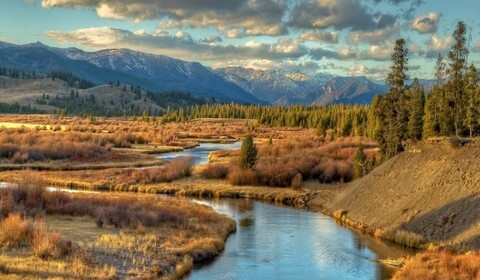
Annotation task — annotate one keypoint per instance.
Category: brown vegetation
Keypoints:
(288, 163)
(441, 265)
(159, 237)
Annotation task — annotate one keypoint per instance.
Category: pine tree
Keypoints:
(440, 70)
(457, 56)
(398, 74)
(416, 111)
(431, 125)
(393, 111)
(472, 102)
(248, 153)
(360, 163)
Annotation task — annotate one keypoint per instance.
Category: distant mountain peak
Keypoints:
(152, 72)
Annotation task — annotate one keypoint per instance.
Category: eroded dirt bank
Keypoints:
(430, 194)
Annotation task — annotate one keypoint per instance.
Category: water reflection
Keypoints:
(284, 243)
(200, 153)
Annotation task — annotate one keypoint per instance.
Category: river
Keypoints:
(200, 153)
(275, 242)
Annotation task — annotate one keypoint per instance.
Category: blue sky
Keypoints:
(342, 37)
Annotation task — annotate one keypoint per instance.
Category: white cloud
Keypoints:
(439, 44)
(426, 23)
(375, 36)
(180, 45)
(319, 36)
(363, 70)
(256, 17)
(266, 64)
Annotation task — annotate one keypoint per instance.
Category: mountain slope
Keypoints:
(156, 73)
(350, 90)
(51, 95)
(410, 193)
(275, 87)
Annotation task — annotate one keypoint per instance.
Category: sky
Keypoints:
(339, 37)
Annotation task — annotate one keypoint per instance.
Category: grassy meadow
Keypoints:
(133, 233)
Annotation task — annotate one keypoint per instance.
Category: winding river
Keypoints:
(200, 153)
(275, 242)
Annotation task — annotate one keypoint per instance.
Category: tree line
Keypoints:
(404, 114)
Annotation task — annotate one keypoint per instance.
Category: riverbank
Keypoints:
(119, 236)
(410, 201)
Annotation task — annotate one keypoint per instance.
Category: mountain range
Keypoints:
(162, 73)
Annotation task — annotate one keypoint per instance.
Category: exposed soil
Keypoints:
(432, 190)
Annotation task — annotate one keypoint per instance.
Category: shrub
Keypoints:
(241, 177)
(48, 245)
(432, 265)
(14, 231)
(215, 171)
(297, 182)
(176, 169)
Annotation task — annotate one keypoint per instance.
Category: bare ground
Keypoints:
(431, 192)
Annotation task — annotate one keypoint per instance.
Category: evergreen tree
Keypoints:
(248, 153)
(416, 111)
(440, 70)
(472, 100)
(360, 163)
(457, 56)
(393, 112)
(398, 74)
(431, 125)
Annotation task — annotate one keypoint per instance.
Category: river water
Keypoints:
(200, 153)
(275, 242)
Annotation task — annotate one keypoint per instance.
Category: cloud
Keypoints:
(212, 39)
(439, 44)
(338, 14)
(426, 23)
(476, 47)
(255, 17)
(180, 45)
(371, 72)
(266, 64)
(377, 52)
(319, 36)
(375, 36)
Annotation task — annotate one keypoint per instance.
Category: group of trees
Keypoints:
(71, 80)
(399, 113)
(451, 109)
(341, 120)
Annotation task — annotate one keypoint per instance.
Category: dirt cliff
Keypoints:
(430, 194)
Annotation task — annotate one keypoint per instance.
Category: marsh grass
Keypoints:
(143, 236)
(439, 265)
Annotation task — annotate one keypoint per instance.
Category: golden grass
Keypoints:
(441, 265)
(191, 233)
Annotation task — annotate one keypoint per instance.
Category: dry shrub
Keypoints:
(48, 245)
(409, 239)
(297, 182)
(14, 231)
(441, 265)
(215, 171)
(241, 177)
(176, 169)
(6, 202)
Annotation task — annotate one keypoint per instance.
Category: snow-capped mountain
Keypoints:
(163, 73)
(273, 86)
(350, 90)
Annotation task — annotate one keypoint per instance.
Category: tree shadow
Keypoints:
(449, 221)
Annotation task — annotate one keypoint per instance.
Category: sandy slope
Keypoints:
(432, 190)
